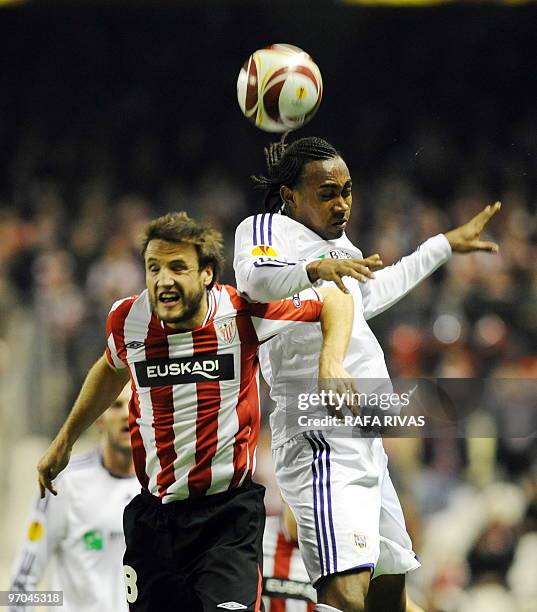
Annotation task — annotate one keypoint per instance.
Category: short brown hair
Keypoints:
(179, 227)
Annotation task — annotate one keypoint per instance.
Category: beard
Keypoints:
(190, 303)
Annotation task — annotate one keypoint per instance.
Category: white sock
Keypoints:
(325, 608)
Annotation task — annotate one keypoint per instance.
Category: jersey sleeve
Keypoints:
(45, 529)
(114, 334)
(266, 264)
(278, 317)
(393, 282)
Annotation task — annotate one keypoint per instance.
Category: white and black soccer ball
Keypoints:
(279, 88)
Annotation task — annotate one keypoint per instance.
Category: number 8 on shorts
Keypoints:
(131, 588)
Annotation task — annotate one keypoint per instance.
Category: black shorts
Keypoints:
(195, 555)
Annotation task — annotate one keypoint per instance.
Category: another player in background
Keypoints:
(189, 345)
(350, 523)
(81, 531)
(286, 585)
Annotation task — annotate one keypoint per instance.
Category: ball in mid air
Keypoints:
(279, 88)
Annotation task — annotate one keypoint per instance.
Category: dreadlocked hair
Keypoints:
(285, 163)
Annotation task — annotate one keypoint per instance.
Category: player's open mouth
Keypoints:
(341, 223)
(169, 298)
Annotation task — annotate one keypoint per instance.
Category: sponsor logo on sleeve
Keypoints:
(335, 254)
(183, 370)
(263, 250)
(338, 254)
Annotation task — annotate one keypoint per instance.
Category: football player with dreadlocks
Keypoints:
(351, 528)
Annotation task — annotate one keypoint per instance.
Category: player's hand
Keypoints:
(335, 269)
(466, 238)
(333, 377)
(51, 464)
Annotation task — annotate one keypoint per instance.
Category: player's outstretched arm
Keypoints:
(394, 282)
(102, 386)
(467, 237)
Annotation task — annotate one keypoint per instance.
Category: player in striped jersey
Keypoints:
(286, 585)
(350, 523)
(189, 346)
(76, 532)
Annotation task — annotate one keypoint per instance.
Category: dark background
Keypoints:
(144, 94)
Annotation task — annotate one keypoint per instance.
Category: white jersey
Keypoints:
(194, 410)
(286, 584)
(81, 531)
(271, 254)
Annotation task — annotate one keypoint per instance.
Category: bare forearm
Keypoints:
(100, 389)
(336, 322)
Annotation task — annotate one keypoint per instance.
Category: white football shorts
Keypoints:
(345, 505)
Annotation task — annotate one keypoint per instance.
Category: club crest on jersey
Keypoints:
(263, 250)
(296, 300)
(183, 370)
(226, 330)
(360, 541)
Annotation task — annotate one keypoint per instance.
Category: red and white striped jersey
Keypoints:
(286, 585)
(194, 411)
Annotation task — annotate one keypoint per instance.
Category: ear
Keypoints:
(288, 196)
(207, 275)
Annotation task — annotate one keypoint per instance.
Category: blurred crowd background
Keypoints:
(112, 116)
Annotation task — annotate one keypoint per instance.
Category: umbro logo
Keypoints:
(134, 344)
(232, 605)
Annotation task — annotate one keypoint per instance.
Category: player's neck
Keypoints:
(117, 462)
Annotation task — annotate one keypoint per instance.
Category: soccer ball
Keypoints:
(279, 88)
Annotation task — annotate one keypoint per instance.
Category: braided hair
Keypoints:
(285, 164)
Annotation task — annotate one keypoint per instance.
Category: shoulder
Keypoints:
(230, 301)
(123, 304)
(263, 227)
(121, 308)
